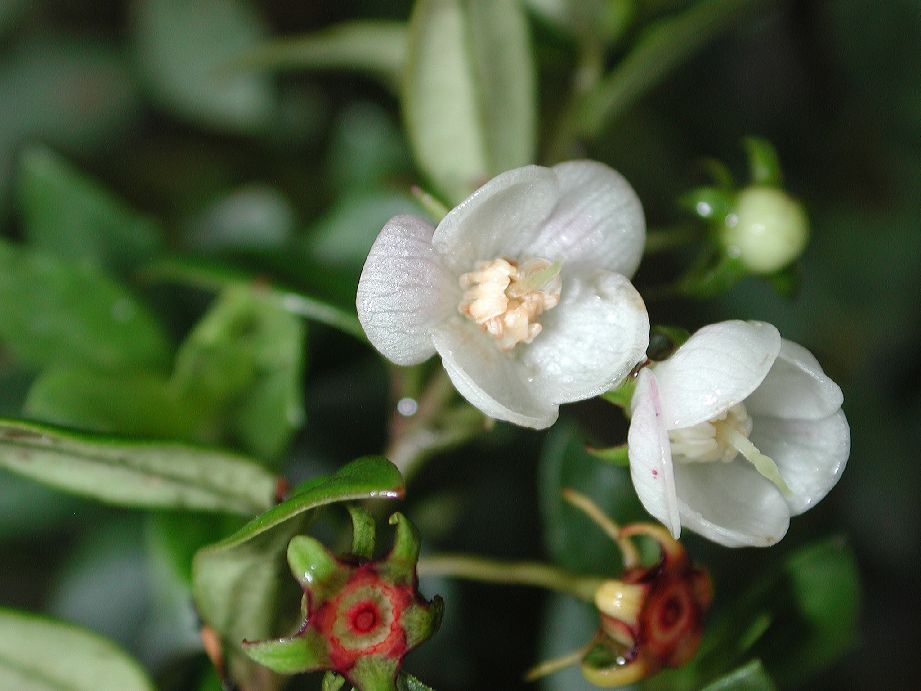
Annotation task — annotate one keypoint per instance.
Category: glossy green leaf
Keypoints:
(749, 677)
(245, 358)
(137, 474)
(571, 538)
(469, 96)
(134, 403)
(67, 213)
(376, 47)
(56, 312)
(39, 654)
(184, 50)
(661, 48)
(237, 582)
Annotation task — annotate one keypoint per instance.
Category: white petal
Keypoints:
(811, 454)
(590, 341)
(718, 367)
(492, 380)
(404, 291)
(650, 455)
(598, 222)
(796, 387)
(500, 217)
(731, 504)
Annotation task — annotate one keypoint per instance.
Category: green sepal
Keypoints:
(720, 174)
(306, 653)
(713, 278)
(362, 532)
(708, 203)
(314, 567)
(400, 565)
(407, 682)
(332, 681)
(420, 621)
(375, 673)
(763, 163)
(615, 455)
(622, 395)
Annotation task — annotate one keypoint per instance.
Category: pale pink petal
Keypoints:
(590, 341)
(650, 455)
(597, 223)
(718, 367)
(811, 454)
(499, 218)
(731, 504)
(795, 388)
(492, 380)
(404, 291)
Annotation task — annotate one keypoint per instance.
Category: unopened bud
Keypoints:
(766, 230)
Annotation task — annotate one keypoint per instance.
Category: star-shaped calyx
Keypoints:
(361, 617)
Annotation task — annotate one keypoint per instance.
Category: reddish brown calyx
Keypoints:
(651, 618)
(361, 618)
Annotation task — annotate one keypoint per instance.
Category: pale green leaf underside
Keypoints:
(163, 475)
(378, 47)
(469, 96)
(38, 654)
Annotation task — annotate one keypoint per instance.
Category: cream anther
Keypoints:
(506, 298)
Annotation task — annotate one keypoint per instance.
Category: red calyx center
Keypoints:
(364, 617)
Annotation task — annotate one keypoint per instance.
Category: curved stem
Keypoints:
(529, 573)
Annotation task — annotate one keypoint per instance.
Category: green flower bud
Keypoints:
(766, 230)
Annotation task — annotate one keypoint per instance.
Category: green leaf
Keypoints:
(237, 582)
(183, 51)
(246, 358)
(661, 48)
(55, 312)
(67, 213)
(749, 677)
(38, 654)
(615, 455)
(216, 277)
(763, 163)
(137, 474)
(469, 96)
(133, 403)
(571, 538)
(797, 620)
(376, 47)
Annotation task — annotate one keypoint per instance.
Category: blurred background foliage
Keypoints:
(119, 148)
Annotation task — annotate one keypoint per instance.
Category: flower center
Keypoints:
(722, 439)
(505, 298)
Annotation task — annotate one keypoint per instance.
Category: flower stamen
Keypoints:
(505, 298)
(723, 438)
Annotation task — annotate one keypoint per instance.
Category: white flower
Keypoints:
(736, 432)
(521, 289)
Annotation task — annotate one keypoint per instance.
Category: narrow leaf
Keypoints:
(137, 474)
(215, 277)
(239, 583)
(55, 312)
(749, 677)
(661, 48)
(42, 655)
(67, 213)
(469, 96)
(376, 47)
